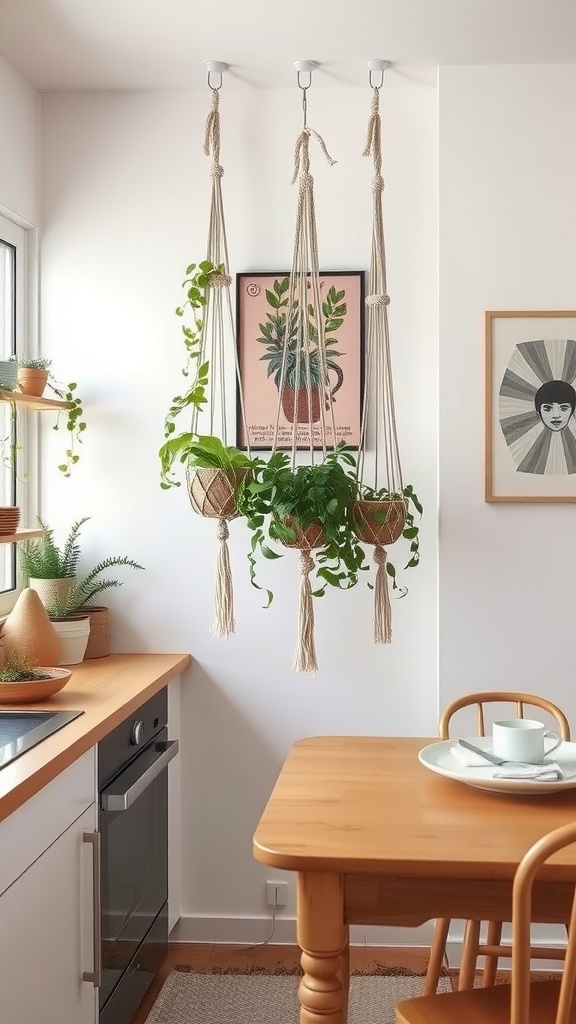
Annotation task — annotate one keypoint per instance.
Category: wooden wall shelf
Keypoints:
(31, 402)
(10, 538)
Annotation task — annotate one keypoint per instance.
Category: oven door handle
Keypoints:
(126, 789)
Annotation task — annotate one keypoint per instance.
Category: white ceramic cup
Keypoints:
(522, 739)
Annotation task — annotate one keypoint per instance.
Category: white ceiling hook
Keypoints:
(305, 67)
(378, 65)
(215, 67)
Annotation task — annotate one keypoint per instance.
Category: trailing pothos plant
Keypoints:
(184, 447)
(278, 497)
(411, 530)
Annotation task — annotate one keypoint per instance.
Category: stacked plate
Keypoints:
(9, 519)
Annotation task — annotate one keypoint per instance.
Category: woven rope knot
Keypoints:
(306, 562)
(379, 555)
(222, 531)
(220, 281)
(217, 171)
(306, 183)
(377, 183)
(377, 300)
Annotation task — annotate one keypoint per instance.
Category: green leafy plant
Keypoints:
(33, 362)
(188, 448)
(17, 669)
(280, 496)
(280, 333)
(411, 531)
(41, 558)
(74, 421)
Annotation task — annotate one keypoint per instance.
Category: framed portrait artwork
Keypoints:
(261, 324)
(530, 406)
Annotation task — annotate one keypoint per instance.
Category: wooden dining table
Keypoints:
(376, 838)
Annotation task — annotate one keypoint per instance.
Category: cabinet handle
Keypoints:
(95, 976)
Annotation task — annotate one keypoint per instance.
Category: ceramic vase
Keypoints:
(29, 632)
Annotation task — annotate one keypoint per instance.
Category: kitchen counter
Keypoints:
(107, 690)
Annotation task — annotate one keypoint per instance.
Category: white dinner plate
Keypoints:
(437, 757)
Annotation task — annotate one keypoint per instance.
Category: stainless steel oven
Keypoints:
(133, 794)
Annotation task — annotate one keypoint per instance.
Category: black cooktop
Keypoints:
(22, 730)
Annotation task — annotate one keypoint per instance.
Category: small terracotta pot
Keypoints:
(32, 382)
(371, 530)
(212, 492)
(312, 537)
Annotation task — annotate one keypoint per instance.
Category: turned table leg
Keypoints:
(323, 939)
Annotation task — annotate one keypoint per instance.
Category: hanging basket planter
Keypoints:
(213, 492)
(379, 522)
(306, 539)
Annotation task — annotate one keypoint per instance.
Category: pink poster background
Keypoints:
(261, 396)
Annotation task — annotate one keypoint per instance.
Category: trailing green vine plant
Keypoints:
(279, 498)
(75, 423)
(176, 447)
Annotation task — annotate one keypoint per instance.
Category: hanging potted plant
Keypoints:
(382, 516)
(212, 469)
(306, 507)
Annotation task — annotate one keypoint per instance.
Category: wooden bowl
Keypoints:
(35, 690)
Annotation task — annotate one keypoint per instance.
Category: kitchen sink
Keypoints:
(22, 730)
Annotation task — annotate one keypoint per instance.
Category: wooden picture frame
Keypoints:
(259, 359)
(530, 406)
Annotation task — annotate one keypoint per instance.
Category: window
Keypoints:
(15, 433)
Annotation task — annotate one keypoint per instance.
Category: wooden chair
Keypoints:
(472, 948)
(525, 1001)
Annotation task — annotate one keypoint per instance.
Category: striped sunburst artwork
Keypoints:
(536, 406)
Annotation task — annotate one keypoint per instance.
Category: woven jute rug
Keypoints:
(188, 997)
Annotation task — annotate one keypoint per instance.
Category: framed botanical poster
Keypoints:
(272, 394)
(530, 406)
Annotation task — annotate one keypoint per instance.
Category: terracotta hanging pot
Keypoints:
(372, 530)
(312, 537)
(296, 406)
(212, 492)
(32, 382)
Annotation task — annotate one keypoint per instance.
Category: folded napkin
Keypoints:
(510, 769)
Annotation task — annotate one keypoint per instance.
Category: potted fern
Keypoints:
(53, 572)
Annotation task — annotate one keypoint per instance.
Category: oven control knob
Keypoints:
(137, 734)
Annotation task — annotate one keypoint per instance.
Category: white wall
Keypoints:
(124, 209)
(507, 228)
(19, 146)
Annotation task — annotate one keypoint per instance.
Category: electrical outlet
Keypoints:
(276, 894)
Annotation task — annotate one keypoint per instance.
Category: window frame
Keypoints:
(23, 238)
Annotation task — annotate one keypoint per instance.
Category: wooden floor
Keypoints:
(207, 957)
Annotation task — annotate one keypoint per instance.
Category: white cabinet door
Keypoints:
(46, 935)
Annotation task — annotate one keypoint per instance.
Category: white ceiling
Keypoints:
(62, 45)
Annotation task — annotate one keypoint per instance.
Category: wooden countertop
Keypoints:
(107, 690)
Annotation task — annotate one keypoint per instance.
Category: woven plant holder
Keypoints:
(212, 492)
(99, 639)
(370, 530)
(312, 537)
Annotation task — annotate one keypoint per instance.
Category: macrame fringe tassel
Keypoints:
(305, 656)
(382, 619)
(224, 624)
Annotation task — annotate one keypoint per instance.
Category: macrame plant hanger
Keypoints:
(380, 522)
(212, 491)
(304, 309)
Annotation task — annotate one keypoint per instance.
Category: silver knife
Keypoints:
(483, 753)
